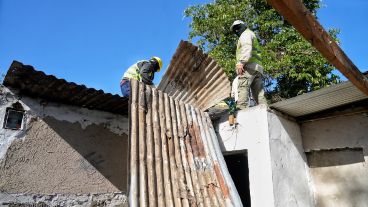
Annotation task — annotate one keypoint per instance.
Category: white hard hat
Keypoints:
(236, 22)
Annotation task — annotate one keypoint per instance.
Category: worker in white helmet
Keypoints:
(143, 71)
(249, 68)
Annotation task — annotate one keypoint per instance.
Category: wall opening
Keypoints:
(237, 163)
(13, 119)
(335, 157)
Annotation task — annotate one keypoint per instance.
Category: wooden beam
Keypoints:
(306, 24)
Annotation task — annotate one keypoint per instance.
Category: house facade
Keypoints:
(310, 150)
(52, 153)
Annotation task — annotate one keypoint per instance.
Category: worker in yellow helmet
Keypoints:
(143, 71)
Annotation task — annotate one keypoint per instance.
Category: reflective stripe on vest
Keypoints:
(133, 73)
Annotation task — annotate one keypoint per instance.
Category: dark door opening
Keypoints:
(238, 168)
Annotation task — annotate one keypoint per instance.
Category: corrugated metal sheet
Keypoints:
(175, 158)
(37, 84)
(325, 98)
(195, 78)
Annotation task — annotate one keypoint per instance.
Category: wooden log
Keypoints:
(133, 140)
(181, 124)
(151, 175)
(179, 165)
(157, 148)
(165, 157)
(306, 24)
(143, 200)
(173, 169)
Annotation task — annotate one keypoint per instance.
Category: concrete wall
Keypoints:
(290, 173)
(63, 152)
(277, 165)
(339, 159)
(251, 134)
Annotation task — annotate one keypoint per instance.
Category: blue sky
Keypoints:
(92, 42)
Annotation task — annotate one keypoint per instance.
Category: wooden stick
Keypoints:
(307, 25)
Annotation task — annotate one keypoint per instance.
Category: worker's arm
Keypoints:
(245, 51)
(147, 73)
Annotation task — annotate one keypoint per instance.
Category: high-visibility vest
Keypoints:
(256, 52)
(133, 72)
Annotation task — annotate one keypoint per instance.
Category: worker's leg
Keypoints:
(244, 82)
(234, 89)
(258, 90)
(256, 71)
(125, 88)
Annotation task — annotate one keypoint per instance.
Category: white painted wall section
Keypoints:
(251, 134)
(289, 168)
(278, 171)
(339, 174)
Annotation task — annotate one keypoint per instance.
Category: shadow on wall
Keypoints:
(217, 127)
(293, 131)
(102, 150)
(334, 157)
(339, 177)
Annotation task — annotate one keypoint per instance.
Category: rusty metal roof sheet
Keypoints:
(37, 84)
(323, 99)
(175, 157)
(195, 78)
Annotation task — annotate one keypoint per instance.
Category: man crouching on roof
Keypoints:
(143, 71)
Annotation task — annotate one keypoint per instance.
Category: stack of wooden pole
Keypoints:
(175, 159)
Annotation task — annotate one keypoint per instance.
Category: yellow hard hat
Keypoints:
(159, 62)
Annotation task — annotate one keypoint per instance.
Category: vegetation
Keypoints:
(292, 65)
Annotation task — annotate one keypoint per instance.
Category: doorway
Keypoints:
(237, 163)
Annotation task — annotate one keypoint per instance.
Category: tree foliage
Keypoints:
(292, 65)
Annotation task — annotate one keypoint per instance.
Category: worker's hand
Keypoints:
(239, 68)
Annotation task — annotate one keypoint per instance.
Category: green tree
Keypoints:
(292, 65)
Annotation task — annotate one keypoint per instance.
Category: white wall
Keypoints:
(251, 134)
(340, 177)
(277, 165)
(289, 168)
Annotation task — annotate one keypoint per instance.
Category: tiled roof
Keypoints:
(37, 84)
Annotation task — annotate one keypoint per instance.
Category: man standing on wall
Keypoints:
(143, 71)
(249, 68)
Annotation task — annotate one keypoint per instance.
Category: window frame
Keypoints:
(6, 118)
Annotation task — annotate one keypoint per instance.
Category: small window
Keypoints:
(13, 119)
